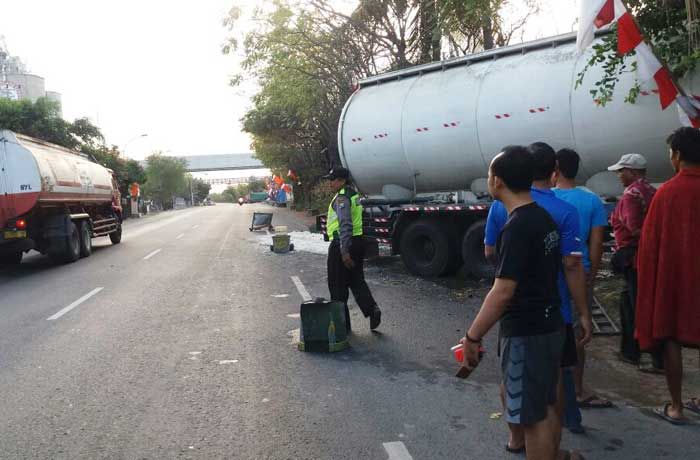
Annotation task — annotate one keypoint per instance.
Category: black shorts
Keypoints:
(569, 357)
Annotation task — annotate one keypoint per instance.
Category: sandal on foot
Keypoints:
(518, 450)
(663, 413)
(594, 402)
(693, 405)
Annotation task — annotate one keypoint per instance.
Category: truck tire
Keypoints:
(85, 239)
(116, 236)
(66, 249)
(425, 248)
(475, 262)
(11, 258)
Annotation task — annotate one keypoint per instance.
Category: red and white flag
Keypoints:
(596, 14)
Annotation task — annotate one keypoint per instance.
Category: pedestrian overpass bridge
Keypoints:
(226, 162)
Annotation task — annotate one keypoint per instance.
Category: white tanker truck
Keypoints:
(418, 142)
(53, 200)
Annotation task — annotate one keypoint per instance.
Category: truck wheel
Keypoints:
(85, 239)
(66, 249)
(425, 248)
(116, 236)
(475, 262)
(11, 258)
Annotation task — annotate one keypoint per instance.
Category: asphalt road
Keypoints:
(183, 347)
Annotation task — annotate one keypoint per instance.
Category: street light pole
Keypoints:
(126, 144)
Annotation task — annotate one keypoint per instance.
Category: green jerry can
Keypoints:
(322, 326)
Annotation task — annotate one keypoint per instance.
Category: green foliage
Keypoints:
(126, 171)
(200, 189)
(233, 193)
(42, 120)
(165, 179)
(307, 58)
(668, 31)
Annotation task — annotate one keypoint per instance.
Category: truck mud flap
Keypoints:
(56, 227)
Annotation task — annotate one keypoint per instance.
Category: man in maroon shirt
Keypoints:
(627, 220)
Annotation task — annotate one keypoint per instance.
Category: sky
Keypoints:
(155, 67)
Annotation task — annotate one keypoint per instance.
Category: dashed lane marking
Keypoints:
(180, 236)
(74, 304)
(302, 290)
(223, 244)
(195, 226)
(397, 451)
(152, 254)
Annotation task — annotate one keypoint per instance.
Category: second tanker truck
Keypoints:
(418, 142)
(53, 200)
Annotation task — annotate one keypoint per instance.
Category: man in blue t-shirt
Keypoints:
(572, 280)
(593, 220)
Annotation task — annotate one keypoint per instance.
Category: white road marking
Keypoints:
(228, 361)
(180, 236)
(74, 304)
(195, 226)
(294, 315)
(148, 228)
(397, 451)
(152, 254)
(195, 352)
(302, 290)
(223, 244)
(280, 296)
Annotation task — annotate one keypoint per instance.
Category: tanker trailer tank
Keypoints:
(425, 130)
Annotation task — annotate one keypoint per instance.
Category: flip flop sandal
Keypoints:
(589, 404)
(692, 405)
(662, 412)
(519, 450)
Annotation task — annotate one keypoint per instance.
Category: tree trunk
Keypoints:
(487, 30)
(429, 31)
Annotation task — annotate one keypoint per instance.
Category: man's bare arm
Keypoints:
(492, 309)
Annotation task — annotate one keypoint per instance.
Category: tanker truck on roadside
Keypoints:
(53, 200)
(418, 142)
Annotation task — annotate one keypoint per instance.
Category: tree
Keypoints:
(42, 120)
(308, 57)
(200, 189)
(671, 26)
(165, 178)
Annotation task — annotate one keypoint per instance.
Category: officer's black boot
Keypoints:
(375, 318)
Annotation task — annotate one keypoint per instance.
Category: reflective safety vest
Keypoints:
(332, 222)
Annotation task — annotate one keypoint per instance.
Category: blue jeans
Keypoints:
(572, 414)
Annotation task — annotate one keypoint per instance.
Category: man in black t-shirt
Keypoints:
(525, 298)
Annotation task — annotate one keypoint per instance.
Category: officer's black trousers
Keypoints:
(340, 278)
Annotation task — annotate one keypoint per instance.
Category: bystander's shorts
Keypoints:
(569, 356)
(530, 367)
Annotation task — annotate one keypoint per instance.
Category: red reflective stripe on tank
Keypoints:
(66, 183)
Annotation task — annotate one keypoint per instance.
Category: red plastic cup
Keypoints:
(458, 351)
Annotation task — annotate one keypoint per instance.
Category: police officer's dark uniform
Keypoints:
(346, 252)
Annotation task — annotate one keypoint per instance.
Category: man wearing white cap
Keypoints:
(627, 220)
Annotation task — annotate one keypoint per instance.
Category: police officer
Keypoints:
(346, 252)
